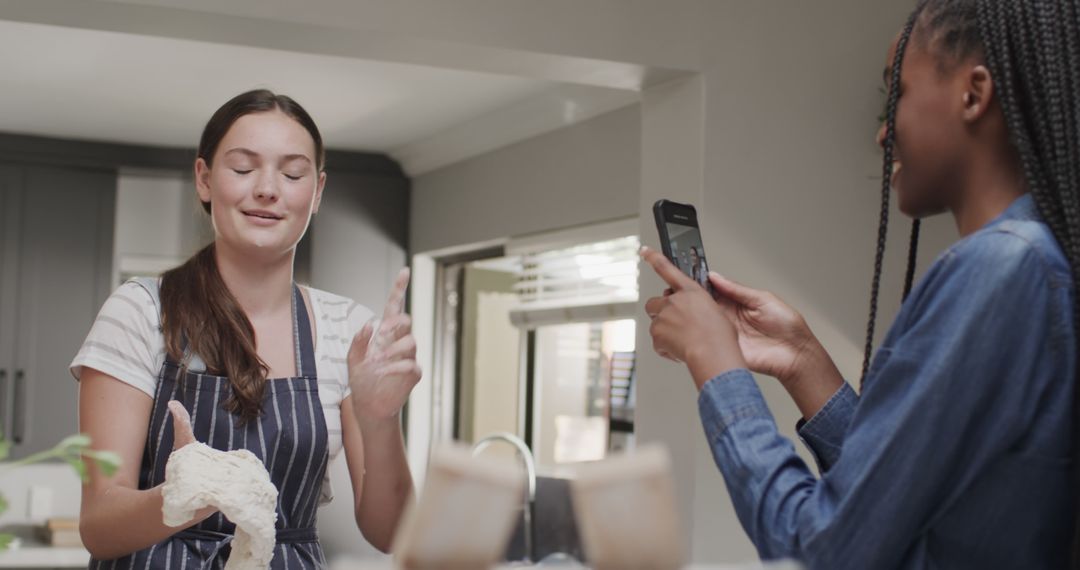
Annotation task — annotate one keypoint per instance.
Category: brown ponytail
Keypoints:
(198, 308)
(199, 312)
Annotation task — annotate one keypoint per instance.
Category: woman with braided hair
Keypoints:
(959, 452)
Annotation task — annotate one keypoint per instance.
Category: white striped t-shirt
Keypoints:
(126, 342)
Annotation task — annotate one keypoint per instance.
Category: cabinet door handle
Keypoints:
(18, 430)
(5, 433)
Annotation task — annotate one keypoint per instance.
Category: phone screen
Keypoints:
(687, 252)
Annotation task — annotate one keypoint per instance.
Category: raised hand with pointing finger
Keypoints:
(382, 358)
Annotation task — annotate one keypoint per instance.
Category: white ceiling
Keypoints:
(117, 87)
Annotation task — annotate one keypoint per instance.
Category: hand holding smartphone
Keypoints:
(680, 239)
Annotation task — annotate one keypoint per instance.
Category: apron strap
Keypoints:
(305, 345)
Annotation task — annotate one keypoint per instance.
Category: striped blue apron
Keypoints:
(290, 437)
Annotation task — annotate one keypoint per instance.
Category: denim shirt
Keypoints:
(958, 452)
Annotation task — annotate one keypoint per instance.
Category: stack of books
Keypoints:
(62, 532)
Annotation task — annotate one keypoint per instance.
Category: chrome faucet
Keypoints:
(530, 473)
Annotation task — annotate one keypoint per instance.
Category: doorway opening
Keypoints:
(539, 342)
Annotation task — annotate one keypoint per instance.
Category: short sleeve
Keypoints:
(338, 319)
(125, 340)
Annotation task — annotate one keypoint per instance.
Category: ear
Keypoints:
(202, 180)
(978, 93)
(318, 192)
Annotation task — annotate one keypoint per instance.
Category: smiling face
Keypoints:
(941, 123)
(928, 132)
(262, 184)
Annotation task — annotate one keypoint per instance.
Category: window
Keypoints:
(572, 379)
(539, 338)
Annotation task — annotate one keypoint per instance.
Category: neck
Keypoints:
(990, 188)
(260, 286)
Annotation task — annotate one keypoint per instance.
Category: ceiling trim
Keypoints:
(161, 21)
(29, 149)
(558, 107)
(90, 154)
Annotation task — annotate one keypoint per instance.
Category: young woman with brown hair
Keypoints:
(291, 373)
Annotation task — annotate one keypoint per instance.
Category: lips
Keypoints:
(262, 214)
(897, 166)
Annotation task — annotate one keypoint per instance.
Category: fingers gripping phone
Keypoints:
(680, 239)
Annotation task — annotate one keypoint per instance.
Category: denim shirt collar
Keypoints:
(1022, 208)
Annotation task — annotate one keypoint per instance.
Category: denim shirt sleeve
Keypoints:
(824, 433)
(943, 399)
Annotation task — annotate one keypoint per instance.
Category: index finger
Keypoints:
(667, 271)
(395, 304)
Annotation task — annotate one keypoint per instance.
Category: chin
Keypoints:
(918, 210)
(907, 209)
(272, 248)
(263, 247)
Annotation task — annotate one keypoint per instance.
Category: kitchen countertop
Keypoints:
(45, 557)
(33, 553)
(30, 552)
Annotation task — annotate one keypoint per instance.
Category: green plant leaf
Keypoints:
(5, 541)
(107, 461)
(5, 449)
(3, 503)
(76, 442)
(79, 467)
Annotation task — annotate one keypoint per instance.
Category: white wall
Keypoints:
(573, 176)
(358, 237)
(793, 175)
(148, 206)
(158, 219)
(489, 390)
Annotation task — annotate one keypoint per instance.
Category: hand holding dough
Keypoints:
(235, 482)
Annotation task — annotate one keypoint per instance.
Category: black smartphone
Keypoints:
(680, 239)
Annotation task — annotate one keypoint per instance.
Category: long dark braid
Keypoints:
(1032, 49)
(912, 252)
(883, 224)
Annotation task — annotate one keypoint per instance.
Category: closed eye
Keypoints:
(294, 178)
(241, 172)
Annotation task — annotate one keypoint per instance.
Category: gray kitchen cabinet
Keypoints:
(56, 263)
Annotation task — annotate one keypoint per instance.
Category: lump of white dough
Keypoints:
(237, 484)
